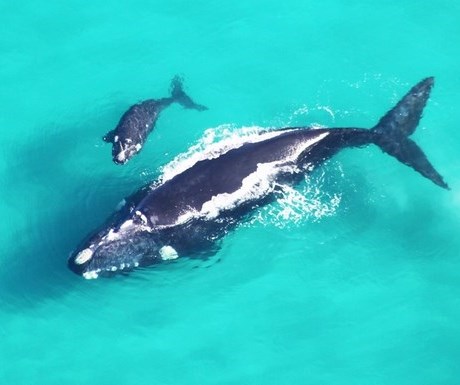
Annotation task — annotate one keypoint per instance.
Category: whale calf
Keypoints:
(186, 214)
(138, 121)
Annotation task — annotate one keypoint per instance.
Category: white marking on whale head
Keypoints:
(121, 157)
(115, 139)
(127, 150)
(168, 253)
(111, 236)
(142, 217)
(83, 256)
(90, 274)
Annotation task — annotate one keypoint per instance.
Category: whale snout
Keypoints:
(122, 151)
(80, 262)
(120, 159)
(114, 250)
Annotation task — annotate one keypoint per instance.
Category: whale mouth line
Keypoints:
(122, 267)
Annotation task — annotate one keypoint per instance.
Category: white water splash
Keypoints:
(213, 143)
(295, 205)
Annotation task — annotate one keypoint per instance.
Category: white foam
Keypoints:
(306, 110)
(294, 206)
(215, 142)
(142, 217)
(121, 156)
(255, 186)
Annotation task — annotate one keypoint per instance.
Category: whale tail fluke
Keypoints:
(392, 132)
(178, 95)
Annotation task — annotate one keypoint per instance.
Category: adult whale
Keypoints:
(187, 213)
(138, 121)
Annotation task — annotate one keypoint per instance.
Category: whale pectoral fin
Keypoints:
(108, 138)
(168, 253)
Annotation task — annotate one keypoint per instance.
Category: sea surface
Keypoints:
(352, 277)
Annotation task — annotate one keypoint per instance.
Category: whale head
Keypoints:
(123, 149)
(115, 249)
(123, 146)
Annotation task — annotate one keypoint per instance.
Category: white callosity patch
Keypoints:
(142, 217)
(90, 274)
(83, 256)
(168, 253)
(127, 226)
(126, 231)
(93, 274)
(127, 150)
(121, 156)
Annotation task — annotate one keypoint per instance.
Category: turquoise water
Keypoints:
(359, 284)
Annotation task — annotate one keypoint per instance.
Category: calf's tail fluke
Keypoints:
(392, 132)
(178, 95)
